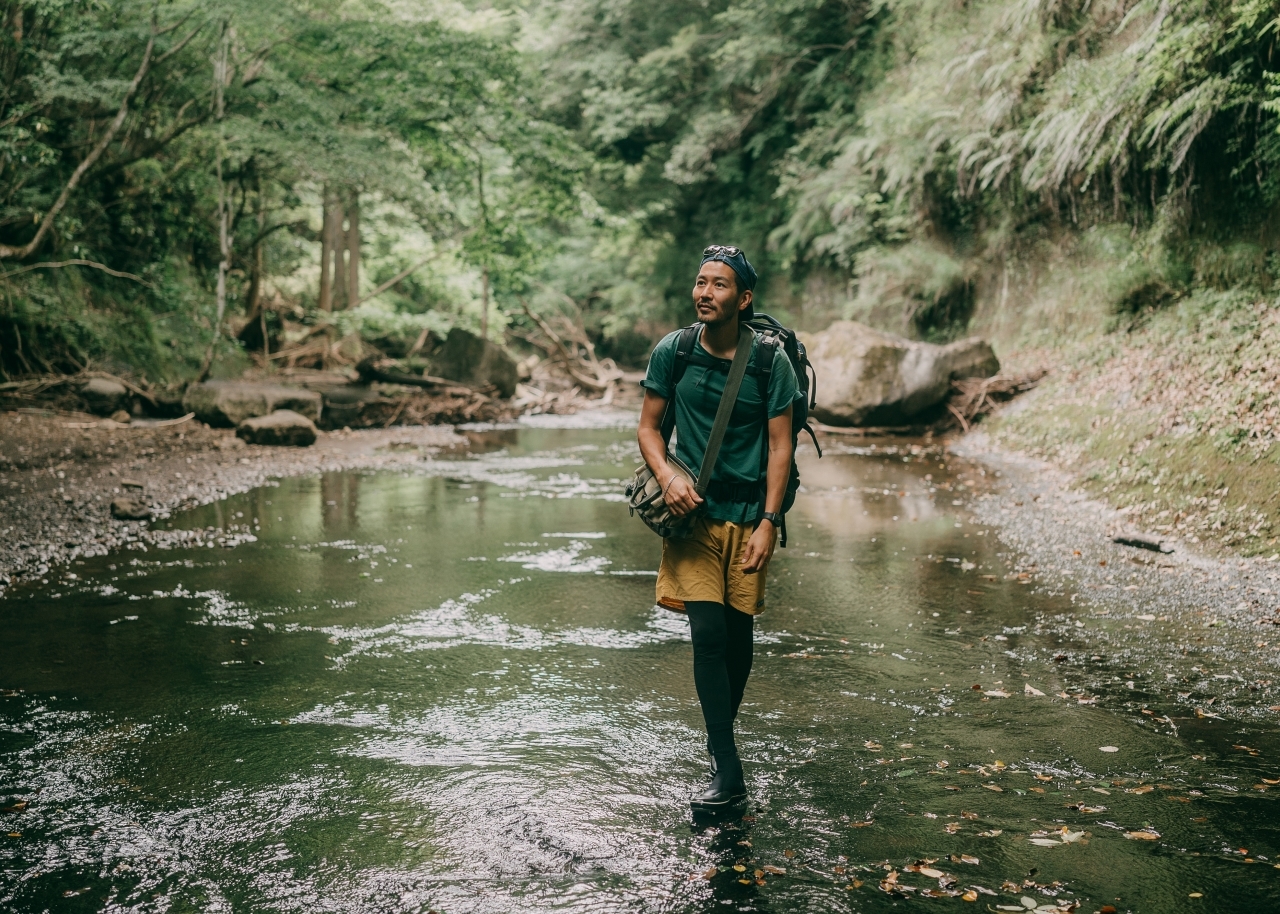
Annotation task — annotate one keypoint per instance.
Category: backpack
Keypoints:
(772, 335)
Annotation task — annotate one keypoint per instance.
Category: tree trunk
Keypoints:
(339, 252)
(253, 301)
(484, 304)
(326, 253)
(353, 246)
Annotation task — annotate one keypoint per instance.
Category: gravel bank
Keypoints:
(58, 477)
(1220, 615)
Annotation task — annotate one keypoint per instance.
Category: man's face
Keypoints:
(715, 293)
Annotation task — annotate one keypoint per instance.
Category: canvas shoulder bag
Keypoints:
(646, 494)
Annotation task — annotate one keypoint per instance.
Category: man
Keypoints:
(716, 575)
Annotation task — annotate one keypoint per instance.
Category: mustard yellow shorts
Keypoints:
(707, 566)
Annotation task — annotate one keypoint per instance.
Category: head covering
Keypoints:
(736, 260)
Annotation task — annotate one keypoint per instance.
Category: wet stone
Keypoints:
(283, 428)
(127, 508)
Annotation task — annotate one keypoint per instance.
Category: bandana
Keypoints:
(737, 262)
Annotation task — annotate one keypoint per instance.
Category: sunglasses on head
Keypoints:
(727, 250)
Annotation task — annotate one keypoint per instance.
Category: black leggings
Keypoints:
(721, 664)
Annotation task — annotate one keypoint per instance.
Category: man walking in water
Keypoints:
(716, 575)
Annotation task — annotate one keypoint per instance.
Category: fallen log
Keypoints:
(373, 369)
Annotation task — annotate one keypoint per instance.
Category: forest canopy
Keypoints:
(181, 182)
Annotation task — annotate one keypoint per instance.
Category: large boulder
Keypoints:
(283, 428)
(470, 359)
(104, 396)
(225, 404)
(866, 377)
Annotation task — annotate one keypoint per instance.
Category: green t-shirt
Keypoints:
(698, 398)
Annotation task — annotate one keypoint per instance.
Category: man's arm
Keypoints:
(680, 496)
(760, 545)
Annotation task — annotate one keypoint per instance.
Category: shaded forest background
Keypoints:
(180, 181)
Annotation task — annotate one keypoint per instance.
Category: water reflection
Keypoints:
(449, 690)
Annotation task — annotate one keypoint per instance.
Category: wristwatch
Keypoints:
(772, 517)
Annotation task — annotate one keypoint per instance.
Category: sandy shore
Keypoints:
(59, 475)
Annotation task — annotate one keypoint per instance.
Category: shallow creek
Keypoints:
(449, 691)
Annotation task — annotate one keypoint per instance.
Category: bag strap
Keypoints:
(732, 384)
(684, 351)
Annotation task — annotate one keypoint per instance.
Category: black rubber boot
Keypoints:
(711, 755)
(726, 789)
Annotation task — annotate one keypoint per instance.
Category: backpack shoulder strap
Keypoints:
(684, 353)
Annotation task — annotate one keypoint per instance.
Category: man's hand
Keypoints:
(681, 497)
(759, 548)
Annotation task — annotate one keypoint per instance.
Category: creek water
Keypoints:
(449, 690)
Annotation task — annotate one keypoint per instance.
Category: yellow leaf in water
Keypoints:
(1044, 777)
(788, 854)
(1196, 895)
(1145, 788)
(774, 870)
(952, 827)
(968, 815)
(15, 834)
(930, 872)
(711, 873)
(1144, 834)
(965, 858)
(739, 868)
(745, 881)
(759, 874)
(994, 787)
(970, 895)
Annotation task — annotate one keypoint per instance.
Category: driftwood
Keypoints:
(582, 366)
(971, 397)
(374, 368)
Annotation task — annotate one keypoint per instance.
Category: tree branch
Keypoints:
(53, 265)
(26, 250)
(395, 279)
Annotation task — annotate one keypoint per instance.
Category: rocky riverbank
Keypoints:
(1222, 612)
(59, 475)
